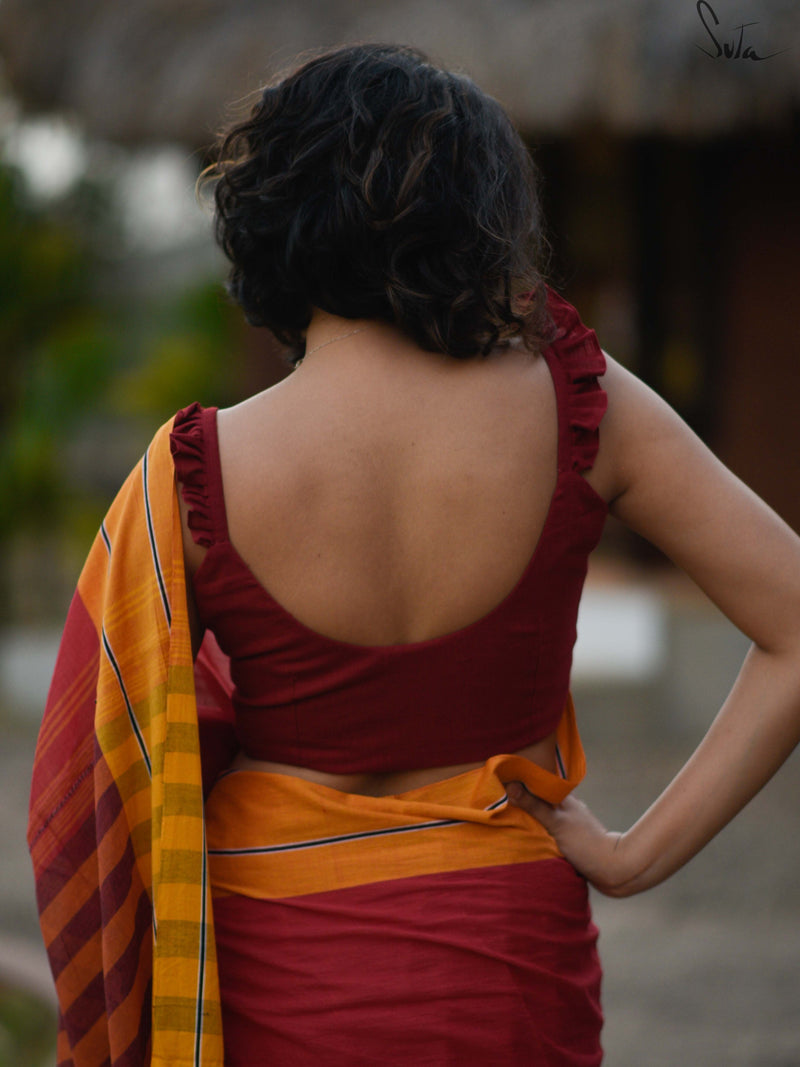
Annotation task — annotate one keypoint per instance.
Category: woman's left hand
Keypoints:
(592, 850)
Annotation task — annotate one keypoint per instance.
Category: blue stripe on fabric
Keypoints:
(152, 536)
(321, 842)
(562, 770)
(131, 716)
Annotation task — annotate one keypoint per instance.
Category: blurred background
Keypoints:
(668, 135)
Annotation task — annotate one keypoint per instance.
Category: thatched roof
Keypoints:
(144, 70)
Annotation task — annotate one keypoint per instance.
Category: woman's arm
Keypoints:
(665, 484)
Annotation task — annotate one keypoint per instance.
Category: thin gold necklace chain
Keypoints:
(332, 340)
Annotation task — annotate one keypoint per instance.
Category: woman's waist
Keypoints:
(278, 831)
(274, 835)
(542, 753)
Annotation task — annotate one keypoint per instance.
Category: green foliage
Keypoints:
(77, 350)
(27, 1030)
(182, 353)
(43, 272)
(58, 379)
(48, 332)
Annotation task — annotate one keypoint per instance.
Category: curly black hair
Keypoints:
(371, 184)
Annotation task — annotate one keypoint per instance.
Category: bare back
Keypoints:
(387, 496)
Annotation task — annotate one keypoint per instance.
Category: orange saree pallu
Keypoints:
(437, 927)
(116, 826)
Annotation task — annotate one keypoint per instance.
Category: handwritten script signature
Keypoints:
(735, 49)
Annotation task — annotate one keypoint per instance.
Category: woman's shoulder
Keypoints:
(191, 439)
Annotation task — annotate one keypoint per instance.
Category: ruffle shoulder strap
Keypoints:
(190, 455)
(582, 362)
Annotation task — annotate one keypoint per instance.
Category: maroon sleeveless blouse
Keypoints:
(493, 686)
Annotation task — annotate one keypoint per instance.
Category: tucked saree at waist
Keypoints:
(439, 926)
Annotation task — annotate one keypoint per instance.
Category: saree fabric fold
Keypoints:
(437, 927)
(116, 828)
